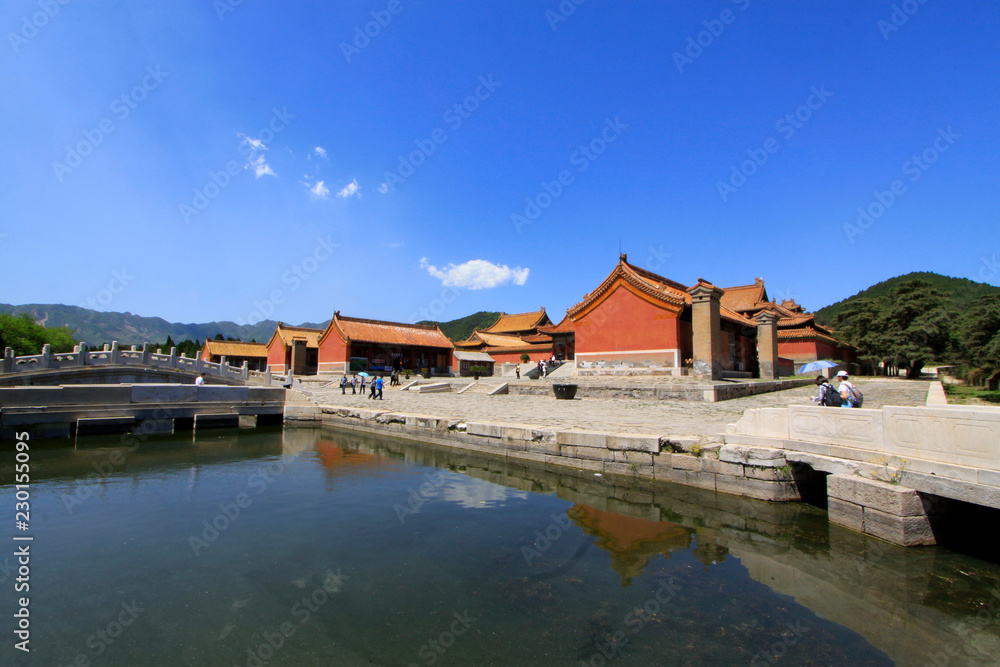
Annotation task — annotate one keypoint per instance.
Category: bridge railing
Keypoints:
(114, 355)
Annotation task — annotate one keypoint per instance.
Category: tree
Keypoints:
(525, 358)
(27, 338)
(916, 324)
(979, 333)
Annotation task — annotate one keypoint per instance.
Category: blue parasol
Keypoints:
(814, 366)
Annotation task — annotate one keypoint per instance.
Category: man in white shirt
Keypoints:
(200, 380)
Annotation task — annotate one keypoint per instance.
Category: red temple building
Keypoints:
(511, 336)
(352, 344)
(295, 349)
(640, 319)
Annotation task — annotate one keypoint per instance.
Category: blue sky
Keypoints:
(226, 160)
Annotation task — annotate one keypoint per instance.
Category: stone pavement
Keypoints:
(680, 418)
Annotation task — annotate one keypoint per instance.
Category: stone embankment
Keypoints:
(700, 461)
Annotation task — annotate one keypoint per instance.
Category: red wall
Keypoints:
(332, 350)
(625, 322)
(810, 350)
(515, 357)
(276, 354)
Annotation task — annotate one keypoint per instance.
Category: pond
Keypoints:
(323, 547)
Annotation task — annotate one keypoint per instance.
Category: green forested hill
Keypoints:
(96, 327)
(462, 328)
(960, 292)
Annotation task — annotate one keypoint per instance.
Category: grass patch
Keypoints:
(962, 394)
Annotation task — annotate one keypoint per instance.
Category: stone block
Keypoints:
(391, 418)
(95, 425)
(485, 429)
(11, 397)
(636, 443)
(558, 462)
(681, 462)
(768, 474)
(223, 394)
(622, 469)
(698, 479)
(588, 453)
(759, 489)
(906, 531)
(216, 421)
(164, 393)
(851, 428)
(678, 443)
(989, 478)
(529, 456)
(634, 458)
(427, 421)
(97, 394)
(848, 515)
(543, 447)
(722, 468)
(756, 456)
(664, 459)
(368, 415)
(266, 394)
(574, 438)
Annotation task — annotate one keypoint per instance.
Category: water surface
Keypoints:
(309, 547)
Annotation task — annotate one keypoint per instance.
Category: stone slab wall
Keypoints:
(754, 473)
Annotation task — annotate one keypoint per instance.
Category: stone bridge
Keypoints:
(143, 409)
(115, 365)
(892, 471)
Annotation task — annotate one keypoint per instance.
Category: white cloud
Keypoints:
(320, 151)
(384, 188)
(256, 159)
(476, 274)
(350, 190)
(317, 191)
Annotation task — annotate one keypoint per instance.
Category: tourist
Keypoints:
(373, 386)
(362, 385)
(354, 384)
(848, 392)
(827, 395)
(379, 382)
(517, 371)
(200, 380)
(343, 384)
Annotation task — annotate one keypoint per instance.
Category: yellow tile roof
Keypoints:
(230, 348)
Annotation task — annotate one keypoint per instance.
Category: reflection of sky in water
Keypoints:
(478, 494)
(551, 576)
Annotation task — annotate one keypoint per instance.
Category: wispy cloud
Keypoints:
(256, 159)
(384, 188)
(350, 190)
(476, 274)
(319, 151)
(317, 190)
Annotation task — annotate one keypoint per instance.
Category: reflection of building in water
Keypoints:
(632, 542)
(337, 460)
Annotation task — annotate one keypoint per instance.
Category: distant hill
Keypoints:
(961, 292)
(95, 327)
(462, 328)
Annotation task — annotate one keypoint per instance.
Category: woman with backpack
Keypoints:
(851, 396)
(828, 396)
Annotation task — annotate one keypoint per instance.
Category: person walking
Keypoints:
(379, 382)
(362, 385)
(354, 384)
(343, 384)
(848, 392)
(517, 371)
(827, 395)
(372, 384)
